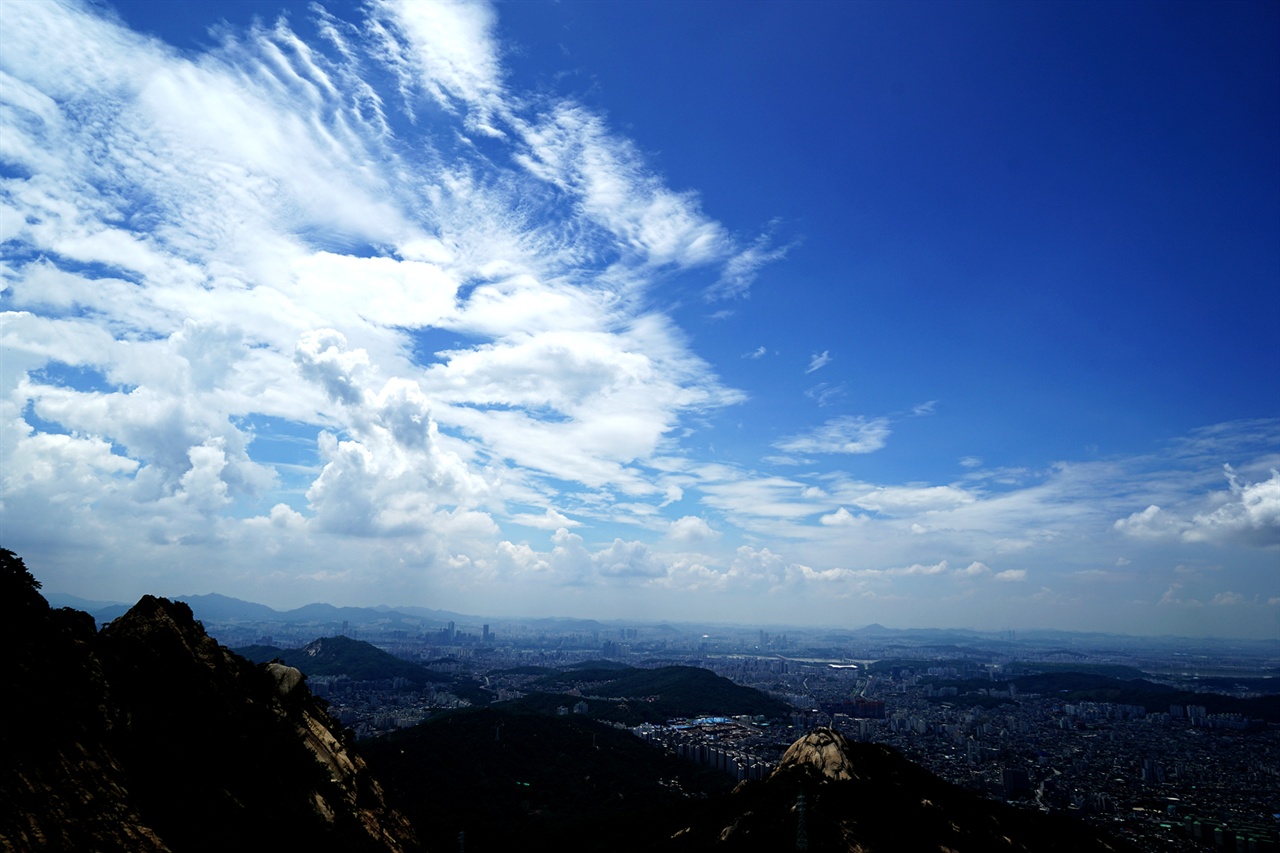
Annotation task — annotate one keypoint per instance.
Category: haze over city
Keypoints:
(955, 315)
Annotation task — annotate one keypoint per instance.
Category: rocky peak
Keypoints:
(825, 751)
(149, 735)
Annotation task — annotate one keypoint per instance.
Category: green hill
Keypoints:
(1088, 687)
(632, 696)
(342, 656)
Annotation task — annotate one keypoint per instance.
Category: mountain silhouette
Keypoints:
(149, 736)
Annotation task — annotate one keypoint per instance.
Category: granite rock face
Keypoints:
(830, 794)
(150, 736)
(823, 750)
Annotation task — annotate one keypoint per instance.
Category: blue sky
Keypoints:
(956, 314)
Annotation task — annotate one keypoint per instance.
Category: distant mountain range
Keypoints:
(214, 607)
(222, 608)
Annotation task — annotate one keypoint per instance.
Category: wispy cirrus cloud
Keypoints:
(263, 189)
(338, 294)
(824, 394)
(840, 435)
(818, 361)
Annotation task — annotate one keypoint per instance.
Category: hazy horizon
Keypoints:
(771, 313)
(60, 596)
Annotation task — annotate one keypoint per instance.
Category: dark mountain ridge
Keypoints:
(149, 736)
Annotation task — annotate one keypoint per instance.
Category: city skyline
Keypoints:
(924, 315)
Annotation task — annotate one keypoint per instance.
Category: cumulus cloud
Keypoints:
(840, 518)
(920, 569)
(323, 358)
(1249, 513)
(1246, 514)
(692, 529)
(628, 559)
(974, 570)
(394, 472)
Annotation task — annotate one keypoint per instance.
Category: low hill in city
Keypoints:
(355, 659)
(1089, 687)
(631, 696)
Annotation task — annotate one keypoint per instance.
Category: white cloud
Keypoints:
(257, 301)
(927, 408)
(572, 149)
(1246, 514)
(909, 500)
(1249, 514)
(840, 435)
(1150, 523)
(452, 54)
(322, 357)
(818, 361)
(628, 559)
(551, 519)
(840, 518)
(824, 394)
(741, 269)
(692, 529)
(973, 570)
(920, 569)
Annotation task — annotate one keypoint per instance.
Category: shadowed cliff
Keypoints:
(149, 736)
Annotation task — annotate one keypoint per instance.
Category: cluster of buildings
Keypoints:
(734, 745)
(1173, 779)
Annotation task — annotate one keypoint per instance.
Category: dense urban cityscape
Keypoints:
(1046, 721)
